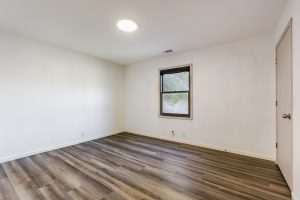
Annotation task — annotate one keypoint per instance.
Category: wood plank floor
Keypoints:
(127, 166)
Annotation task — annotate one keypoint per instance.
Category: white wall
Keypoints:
(292, 9)
(50, 95)
(234, 98)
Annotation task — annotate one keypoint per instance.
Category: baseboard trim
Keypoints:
(30, 153)
(51, 148)
(219, 148)
(294, 197)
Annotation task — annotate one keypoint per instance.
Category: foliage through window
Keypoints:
(175, 95)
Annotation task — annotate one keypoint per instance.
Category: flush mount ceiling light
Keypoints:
(127, 25)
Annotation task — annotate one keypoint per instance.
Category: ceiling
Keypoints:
(89, 26)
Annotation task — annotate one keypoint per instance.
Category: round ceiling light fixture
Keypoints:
(127, 25)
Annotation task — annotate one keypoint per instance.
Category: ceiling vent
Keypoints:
(169, 51)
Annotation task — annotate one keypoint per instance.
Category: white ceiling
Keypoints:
(89, 26)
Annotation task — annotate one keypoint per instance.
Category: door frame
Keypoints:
(289, 25)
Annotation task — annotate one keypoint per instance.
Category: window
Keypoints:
(175, 92)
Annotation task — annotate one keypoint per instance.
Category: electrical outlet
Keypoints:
(82, 134)
(173, 133)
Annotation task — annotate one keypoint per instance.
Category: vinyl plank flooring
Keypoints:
(54, 191)
(7, 192)
(2, 173)
(128, 166)
(35, 173)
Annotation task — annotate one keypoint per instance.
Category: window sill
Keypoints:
(176, 117)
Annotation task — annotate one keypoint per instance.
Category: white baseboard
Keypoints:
(245, 153)
(294, 196)
(30, 153)
(51, 148)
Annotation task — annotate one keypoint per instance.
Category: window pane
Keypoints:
(176, 82)
(175, 103)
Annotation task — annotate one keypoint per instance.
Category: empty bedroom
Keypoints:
(149, 100)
